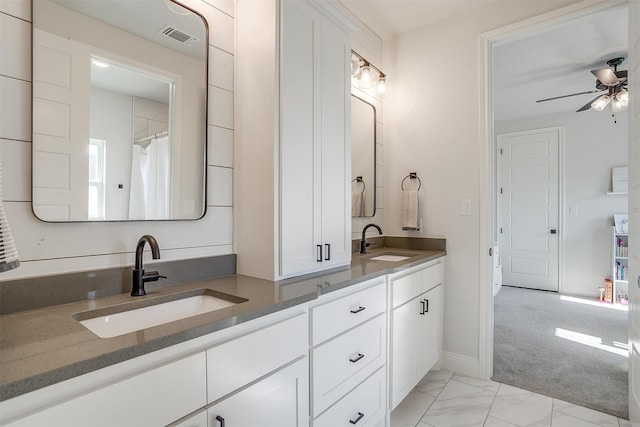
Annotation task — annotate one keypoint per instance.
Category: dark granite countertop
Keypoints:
(47, 345)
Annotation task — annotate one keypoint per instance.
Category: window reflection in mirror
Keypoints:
(119, 110)
(363, 158)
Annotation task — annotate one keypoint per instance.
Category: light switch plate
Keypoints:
(465, 207)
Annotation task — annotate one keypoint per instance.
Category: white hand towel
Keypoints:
(410, 210)
(357, 203)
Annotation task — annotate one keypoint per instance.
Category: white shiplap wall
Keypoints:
(51, 248)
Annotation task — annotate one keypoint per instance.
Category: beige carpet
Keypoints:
(563, 349)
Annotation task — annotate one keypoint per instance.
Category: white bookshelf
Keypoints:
(619, 263)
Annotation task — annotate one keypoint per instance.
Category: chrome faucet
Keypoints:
(363, 243)
(139, 276)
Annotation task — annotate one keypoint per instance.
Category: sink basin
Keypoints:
(390, 258)
(122, 319)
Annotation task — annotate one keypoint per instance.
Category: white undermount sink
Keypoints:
(390, 258)
(122, 319)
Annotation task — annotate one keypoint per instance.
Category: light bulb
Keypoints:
(601, 102)
(382, 85)
(368, 79)
(355, 67)
(623, 97)
(618, 103)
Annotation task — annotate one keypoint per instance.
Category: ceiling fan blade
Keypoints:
(606, 76)
(586, 106)
(566, 96)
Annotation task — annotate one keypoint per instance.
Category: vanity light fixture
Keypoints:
(366, 75)
(8, 252)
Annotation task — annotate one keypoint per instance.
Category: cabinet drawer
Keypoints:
(405, 288)
(432, 276)
(364, 406)
(408, 287)
(165, 393)
(343, 313)
(340, 364)
(236, 363)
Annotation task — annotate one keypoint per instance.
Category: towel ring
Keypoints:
(412, 175)
(360, 180)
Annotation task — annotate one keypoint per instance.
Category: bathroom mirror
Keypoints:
(119, 110)
(363, 158)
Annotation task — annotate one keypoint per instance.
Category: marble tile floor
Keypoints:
(445, 399)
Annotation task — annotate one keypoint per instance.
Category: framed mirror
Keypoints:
(363, 158)
(119, 110)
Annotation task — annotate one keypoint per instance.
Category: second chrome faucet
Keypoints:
(139, 275)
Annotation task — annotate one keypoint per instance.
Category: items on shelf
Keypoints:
(622, 298)
(622, 251)
(622, 272)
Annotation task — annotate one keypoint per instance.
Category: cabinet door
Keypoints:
(405, 362)
(336, 151)
(300, 139)
(315, 160)
(431, 329)
(280, 400)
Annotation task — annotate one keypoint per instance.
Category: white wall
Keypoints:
(48, 248)
(593, 145)
(432, 127)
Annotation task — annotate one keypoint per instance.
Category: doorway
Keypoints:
(490, 215)
(528, 205)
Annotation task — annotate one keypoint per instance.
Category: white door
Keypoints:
(529, 214)
(61, 127)
(634, 214)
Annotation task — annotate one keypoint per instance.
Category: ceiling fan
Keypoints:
(609, 80)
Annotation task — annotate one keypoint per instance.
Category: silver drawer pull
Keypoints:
(357, 310)
(356, 358)
(357, 418)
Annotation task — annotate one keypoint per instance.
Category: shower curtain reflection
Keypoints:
(149, 197)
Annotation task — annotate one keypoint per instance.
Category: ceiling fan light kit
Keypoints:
(610, 80)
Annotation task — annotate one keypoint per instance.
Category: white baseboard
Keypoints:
(461, 364)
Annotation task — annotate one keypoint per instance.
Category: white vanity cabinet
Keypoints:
(153, 398)
(416, 326)
(348, 357)
(260, 365)
(294, 135)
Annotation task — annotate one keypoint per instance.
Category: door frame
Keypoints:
(561, 202)
(487, 213)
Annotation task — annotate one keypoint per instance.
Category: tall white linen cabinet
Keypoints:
(292, 137)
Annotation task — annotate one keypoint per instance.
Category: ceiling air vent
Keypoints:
(178, 35)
